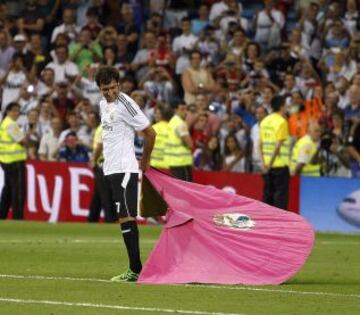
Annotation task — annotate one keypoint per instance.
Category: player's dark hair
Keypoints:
(277, 102)
(106, 74)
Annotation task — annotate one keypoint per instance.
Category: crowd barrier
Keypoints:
(61, 192)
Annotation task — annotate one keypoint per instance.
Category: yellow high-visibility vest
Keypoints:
(308, 169)
(10, 151)
(177, 153)
(96, 140)
(269, 128)
(158, 155)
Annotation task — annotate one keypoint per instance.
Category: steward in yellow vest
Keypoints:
(12, 160)
(179, 145)
(304, 159)
(274, 144)
(159, 156)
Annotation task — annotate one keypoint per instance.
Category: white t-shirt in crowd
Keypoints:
(91, 91)
(49, 145)
(264, 23)
(70, 30)
(255, 139)
(63, 71)
(180, 42)
(219, 8)
(11, 87)
(119, 121)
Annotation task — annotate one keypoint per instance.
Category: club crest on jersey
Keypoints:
(107, 127)
(237, 221)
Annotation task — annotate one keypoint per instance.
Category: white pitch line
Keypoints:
(116, 307)
(198, 286)
(145, 241)
(72, 241)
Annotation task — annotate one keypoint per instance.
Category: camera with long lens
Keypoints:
(326, 141)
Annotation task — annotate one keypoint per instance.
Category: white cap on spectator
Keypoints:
(19, 38)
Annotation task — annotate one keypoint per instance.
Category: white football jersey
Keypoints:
(119, 121)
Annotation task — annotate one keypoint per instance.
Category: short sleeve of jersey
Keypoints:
(304, 154)
(283, 132)
(134, 115)
(15, 132)
(182, 130)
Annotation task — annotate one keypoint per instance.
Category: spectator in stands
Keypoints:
(31, 20)
(352, 17)
(209, 157)
(74, 125)
(140, 62)
(198, 132)
(47, 112)
(269, 23)
(256, 160)
(33, 129)
(46, 83)
(62, 101)
(13, 80)
(87, 86)
(84, 51)
(234, 160)
(183, 45)
(199, 24)
(196, 79)
(92, 23)
(123, 54)
(353, 143)
(65, 70)
(162, 54)
(35, 58)
(6, 51)
(27, 100)
(73, 151)
(158, 85)
(218, 9)
(127, 27)
(352, 111)
(298, 120)
(68, 26)
(49, 144)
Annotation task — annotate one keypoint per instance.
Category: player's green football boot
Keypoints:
(128, 276)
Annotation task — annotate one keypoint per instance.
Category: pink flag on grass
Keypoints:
(215, 237)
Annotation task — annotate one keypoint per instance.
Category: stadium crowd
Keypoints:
(223, 60)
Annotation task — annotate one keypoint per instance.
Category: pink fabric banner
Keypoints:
(212, 236)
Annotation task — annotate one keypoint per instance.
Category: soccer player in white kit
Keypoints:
(120, 118)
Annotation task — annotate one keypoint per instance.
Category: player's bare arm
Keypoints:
(149, 137)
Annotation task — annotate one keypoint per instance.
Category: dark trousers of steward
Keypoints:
(14, 190)
(276, 187)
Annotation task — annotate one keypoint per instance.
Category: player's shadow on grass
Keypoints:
(323, 282)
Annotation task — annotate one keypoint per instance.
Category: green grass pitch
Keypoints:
(64, 269)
